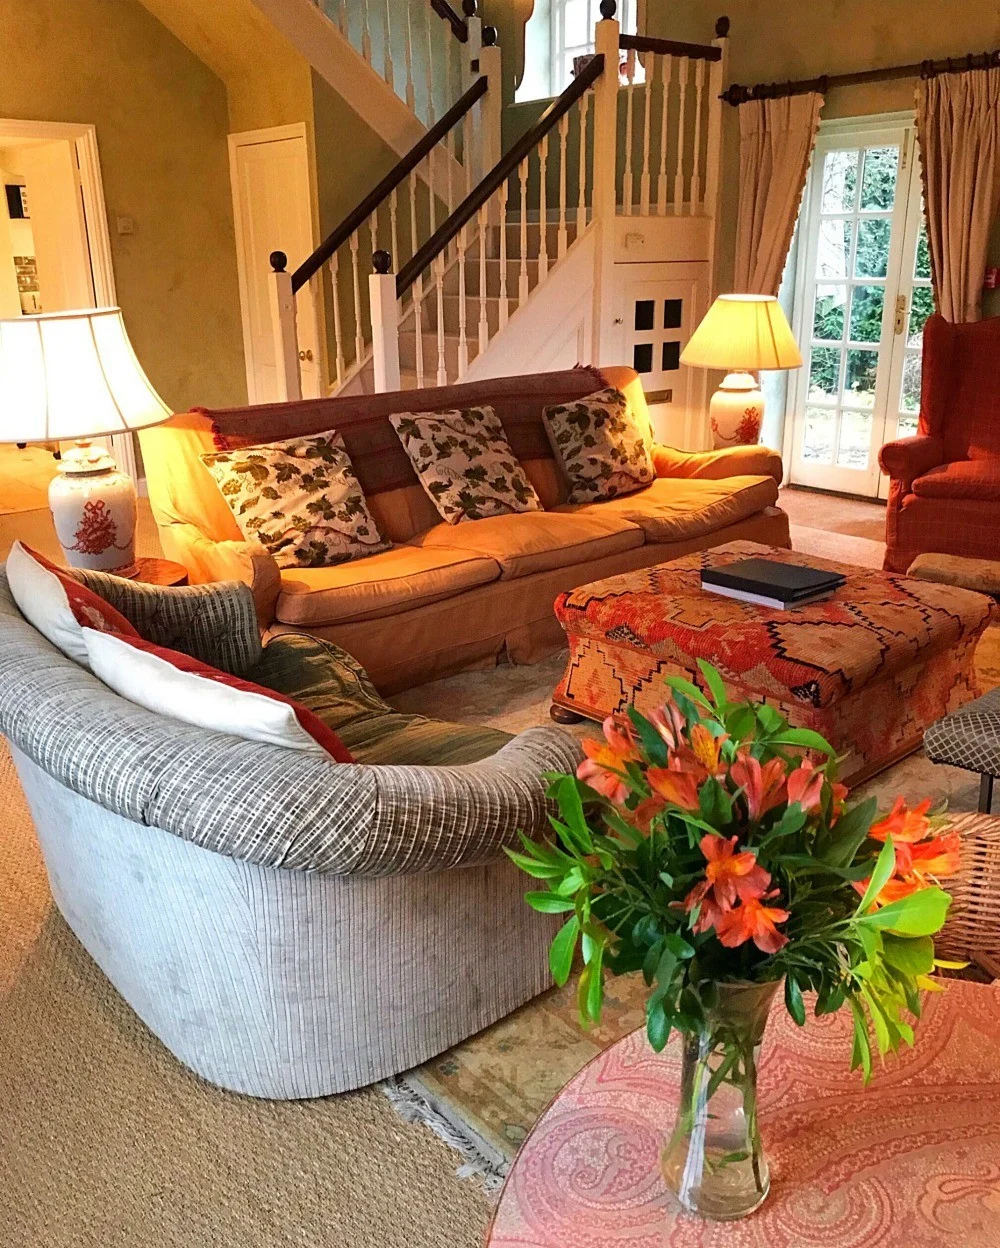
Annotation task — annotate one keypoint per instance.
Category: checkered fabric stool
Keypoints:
(970, 738)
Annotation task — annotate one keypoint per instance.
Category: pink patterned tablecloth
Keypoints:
(912, 1161)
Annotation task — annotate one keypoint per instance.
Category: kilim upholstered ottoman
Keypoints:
(869, 668)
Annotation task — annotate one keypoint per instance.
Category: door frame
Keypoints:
(250, 138)
(83, 136)
(835, 128)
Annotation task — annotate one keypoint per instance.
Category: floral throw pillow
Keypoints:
(465, 463)
(602, 449)
(300, 499)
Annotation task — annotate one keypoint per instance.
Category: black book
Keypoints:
(770, 583)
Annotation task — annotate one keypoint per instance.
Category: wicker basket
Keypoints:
(972, 932)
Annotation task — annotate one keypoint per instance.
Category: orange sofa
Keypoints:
(449, 597)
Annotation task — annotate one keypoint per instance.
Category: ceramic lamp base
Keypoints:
(736, 412)
(94, 511)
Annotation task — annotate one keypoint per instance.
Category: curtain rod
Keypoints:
(737, 94)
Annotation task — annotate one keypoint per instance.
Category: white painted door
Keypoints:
(58, 227)
(862, 297)
(659, 307)
(272, 209)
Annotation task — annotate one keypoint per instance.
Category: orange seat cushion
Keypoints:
(963, 478)
(396, 580)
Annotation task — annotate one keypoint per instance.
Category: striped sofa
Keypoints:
(287, 926)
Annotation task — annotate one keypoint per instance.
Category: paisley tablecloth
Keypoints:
(911, 1161)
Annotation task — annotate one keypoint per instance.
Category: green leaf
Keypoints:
(862, 1054)
(806, 738)
(921, 914)
(714, 682)
(562, 949)
(680, 685)
(715, 804)
(657, 1025)
(592, 986)
(571, 806)
(654, 746)
(793, 1000)
(549, 903)
(770, 720)
(884, 867)
(848, 834)
(678, 946)
(537, 870)
(740, 721)
(912, 955)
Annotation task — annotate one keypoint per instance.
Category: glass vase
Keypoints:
(714, 1162)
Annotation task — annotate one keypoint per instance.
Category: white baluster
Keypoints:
(463, 341)
(442, 365)
(342, 17)
(412, 179)
(666, 77)
(543, 208)
(522, 280)
(504, 302)
(366, 34)
(713, 137)
(627, 187)
(562, 237)
(394, 225)
(373, 230)
(484, 321)
(647, 102)
(429, 17)
(418, 325)
(411, 97)
(699, 91)
(338, 334)
(387, 70)
(679, 178)
(581, 194)
(359, 338)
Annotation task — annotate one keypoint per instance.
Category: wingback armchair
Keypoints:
(944, 491)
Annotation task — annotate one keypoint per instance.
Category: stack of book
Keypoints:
(771, 584)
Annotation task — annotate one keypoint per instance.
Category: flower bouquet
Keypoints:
(702, 846)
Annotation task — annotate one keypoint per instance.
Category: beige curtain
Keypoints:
(776, 142)
(958, 124)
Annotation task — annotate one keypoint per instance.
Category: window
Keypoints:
(557, 33)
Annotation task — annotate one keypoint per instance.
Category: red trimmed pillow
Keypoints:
(180, 687)
(57, 604)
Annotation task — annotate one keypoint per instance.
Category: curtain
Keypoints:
(776, 143)
(958, 124)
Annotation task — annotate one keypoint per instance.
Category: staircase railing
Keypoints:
(400, 213)
(423, 49)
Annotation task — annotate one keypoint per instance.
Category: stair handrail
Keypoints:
(670, 47)
(377, 196)
(501, 171)
(459, 26)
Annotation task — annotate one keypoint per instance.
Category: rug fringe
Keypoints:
(413, 1106)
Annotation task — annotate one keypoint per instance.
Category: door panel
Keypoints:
(273, 212)
(58, 227)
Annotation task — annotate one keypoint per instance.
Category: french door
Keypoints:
(863, 294)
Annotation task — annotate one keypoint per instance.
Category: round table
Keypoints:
(911, 1161)
(152, 571)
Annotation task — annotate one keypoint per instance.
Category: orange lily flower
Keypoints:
(918, 865)
(729, 875)
(903, 825)
(669, 723)
(938, 855)
(676, 786)
(706, 748)
(763, 787)
(753, 921)
(605, 759)
(805, 786)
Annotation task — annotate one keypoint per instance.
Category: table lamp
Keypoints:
(742, 334)
(73, 376)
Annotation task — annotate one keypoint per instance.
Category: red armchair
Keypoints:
(944, 492)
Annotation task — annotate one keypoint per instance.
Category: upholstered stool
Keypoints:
(970, 738)
(982, 575)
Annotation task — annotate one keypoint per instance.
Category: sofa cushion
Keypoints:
(337, 688)
(169, 683)
(465, 463)
(58, 605)
(601, 447)
(537, 541)
(300, 499)
(676, 509)
(396, 580)
(967, 478)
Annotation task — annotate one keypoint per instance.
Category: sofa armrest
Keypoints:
(731, 461)
(216, 624)
(209, 561)
(908, 458)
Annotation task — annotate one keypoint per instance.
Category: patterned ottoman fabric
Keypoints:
(869, 668)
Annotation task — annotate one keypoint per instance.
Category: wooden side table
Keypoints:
(911, 1161)
(160, 572)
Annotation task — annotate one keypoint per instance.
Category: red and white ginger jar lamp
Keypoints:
(745, 335)
(73, 376)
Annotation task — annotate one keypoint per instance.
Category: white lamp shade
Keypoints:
(747, 333)
(72, 375)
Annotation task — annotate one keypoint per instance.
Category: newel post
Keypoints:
(288, 382)
(474, 43)
(385, 323)
(491, 67)
(605, 192)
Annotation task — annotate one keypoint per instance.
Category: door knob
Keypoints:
(305, 355)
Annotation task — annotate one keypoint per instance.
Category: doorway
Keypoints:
(862, 297)
(55, 255)
(272, 210)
